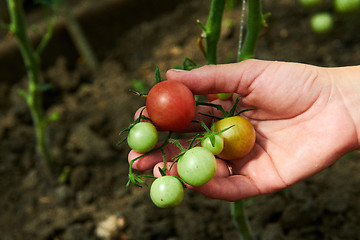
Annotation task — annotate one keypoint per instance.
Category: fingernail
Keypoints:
(178, 70)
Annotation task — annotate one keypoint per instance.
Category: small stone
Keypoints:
(110, 227)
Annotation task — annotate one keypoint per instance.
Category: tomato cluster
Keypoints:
(171, 106)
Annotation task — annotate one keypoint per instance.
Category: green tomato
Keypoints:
(197, 166)
(346, 6)
(167, 191)
(215, 148)
(224, 96)
(322, 23)
(310, 3)
(142, 137)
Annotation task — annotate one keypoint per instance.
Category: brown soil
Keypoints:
(130, 38)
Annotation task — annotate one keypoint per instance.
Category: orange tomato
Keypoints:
(238, 140)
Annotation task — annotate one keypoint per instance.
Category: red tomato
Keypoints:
(171, 105)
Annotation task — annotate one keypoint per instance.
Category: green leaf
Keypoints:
(140, 181)
(232, 111)
(162, 171)
(217, 106)
(157, 74)
(189, 64)
(212, 140)
(245, 110)
(201, 25)
(128, 184)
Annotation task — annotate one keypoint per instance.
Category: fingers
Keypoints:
(148, 161)
(223, 169)
(171, 169)
(236, 77)
(142, 111)
(237, 187)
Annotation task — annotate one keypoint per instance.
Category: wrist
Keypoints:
(347, 82)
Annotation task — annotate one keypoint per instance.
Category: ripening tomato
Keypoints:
(171, 105)
(197, 166)
(167, 191)
(142, 137)
(238, 140)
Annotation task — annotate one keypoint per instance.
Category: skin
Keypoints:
(307, 118)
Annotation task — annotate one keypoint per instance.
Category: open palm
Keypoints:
(302, 123)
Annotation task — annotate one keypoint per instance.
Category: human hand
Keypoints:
(304, 122)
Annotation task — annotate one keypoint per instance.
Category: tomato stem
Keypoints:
(233, 108)
(133, 178)
(239, 216)
(177, 143)
(138, 93)
(221, 109)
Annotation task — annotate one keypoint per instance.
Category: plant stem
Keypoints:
(213, 30)
(78, 37)
(239, 216)
(33, 96)
(255, 25)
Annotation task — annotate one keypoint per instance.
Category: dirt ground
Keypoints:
(130, 38)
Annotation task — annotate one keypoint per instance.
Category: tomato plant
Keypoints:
(167, 191)
(238, 140)
(171, 105)
(197, 166)
(142, 137)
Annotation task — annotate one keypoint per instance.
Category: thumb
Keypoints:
(234, 77)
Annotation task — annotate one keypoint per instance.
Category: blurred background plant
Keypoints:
(329, 14)
(32, 59)
(31, 54)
